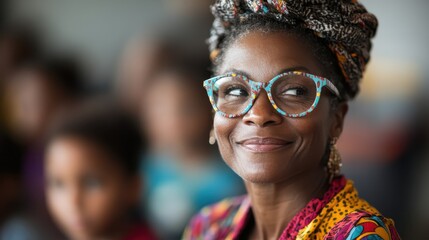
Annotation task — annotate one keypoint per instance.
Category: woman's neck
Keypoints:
(274, 205)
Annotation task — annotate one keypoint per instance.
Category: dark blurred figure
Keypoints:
(416, 214)
(35, 94)
(92, 174)
(182, 171)
(13, 224)
(10, 173)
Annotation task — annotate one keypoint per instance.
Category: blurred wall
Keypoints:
(402, 37)
(95, 29)
(81, 24)
(403, 30)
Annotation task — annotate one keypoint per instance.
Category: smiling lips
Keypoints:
(262, 145)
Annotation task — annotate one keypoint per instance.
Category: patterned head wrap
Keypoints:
(346, 26)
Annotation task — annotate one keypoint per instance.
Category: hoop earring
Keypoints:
(334, 163)
(212, 139)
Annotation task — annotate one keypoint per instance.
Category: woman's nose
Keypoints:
(262, 113)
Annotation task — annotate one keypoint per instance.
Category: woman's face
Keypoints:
(263, 146)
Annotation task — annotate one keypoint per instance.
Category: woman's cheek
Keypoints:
(313, 132)
(223, 128)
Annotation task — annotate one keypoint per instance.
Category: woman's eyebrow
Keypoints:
(296, 68)
(232, 70)
(284, 70)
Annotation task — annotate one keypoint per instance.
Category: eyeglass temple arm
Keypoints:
(208, 81)
(332, 87)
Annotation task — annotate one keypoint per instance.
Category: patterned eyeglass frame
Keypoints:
(320, 82)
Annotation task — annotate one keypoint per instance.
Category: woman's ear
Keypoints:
(338, 116)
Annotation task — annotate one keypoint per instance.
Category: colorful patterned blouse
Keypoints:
(340, 214)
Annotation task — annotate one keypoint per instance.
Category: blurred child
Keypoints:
(183, 172)
(92, 175)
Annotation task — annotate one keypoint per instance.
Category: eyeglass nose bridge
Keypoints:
(256, 88)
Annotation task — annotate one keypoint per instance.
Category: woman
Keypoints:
(285, 71)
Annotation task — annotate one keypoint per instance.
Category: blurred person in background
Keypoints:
(36, 93)
(185, 26)
(92, 175)
(17, 45)
(182, 171)
(141, 58)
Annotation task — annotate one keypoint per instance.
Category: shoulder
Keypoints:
(217, 220)
(362, 225)
(354, 218)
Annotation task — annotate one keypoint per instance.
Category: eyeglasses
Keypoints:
(293, 94)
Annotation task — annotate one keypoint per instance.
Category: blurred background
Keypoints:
(55, 55)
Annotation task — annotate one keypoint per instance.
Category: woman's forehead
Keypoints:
(261, 56)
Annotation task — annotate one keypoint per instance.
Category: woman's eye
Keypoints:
(237, 92)
(294, 92)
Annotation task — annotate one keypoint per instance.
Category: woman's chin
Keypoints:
(261, 173)
(261, 167)
(259, 179)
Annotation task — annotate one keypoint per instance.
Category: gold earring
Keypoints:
(334, 163)
(212, 139)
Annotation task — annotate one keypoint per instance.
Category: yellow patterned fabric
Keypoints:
(344, 203)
